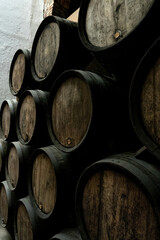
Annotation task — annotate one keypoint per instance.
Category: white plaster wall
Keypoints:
(19, 20)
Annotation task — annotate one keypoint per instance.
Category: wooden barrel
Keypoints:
(86, 113)
(16, 168)
(20, 74)
(118, 198)
(56, 47)
(3, 153)
(7, 119)
(64, 8)
(144, 99)
(7, 205)
(68, 234)
(119, 33)
(31, 118)
(26, 224)
(51, 186)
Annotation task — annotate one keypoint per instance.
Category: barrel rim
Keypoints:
(120, 163)
(119, 44)
(140, 73)
(26, 54)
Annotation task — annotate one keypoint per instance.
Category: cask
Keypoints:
(56, 47)
(118, 198)
(144, 99)
(16, 168)
(87, 113)
(51, 186)
(8, 118)
(7, 205)
(31, 118)
(118, 33)
(20, 74)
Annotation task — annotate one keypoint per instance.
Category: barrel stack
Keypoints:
(80, 145)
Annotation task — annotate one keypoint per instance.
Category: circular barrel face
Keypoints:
(114, 205)
(71, 111)
(3, 206)
(24, 227)
(108, 21)
(150, 102)
(44, 184)
(27, 118)
(13, 167)
(47, 50)
(18, 72)
(6, 120)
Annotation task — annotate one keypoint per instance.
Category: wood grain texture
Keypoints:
(13, 167)
(71, 111)
(150, 102)
(47, 50)
(6, 120)
(24, 227)
(44, 183)
(18, 72)
(108, 21)
(3, 205)
(27, 118)
(115, 207)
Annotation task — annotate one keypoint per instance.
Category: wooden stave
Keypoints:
(70, 47)
(144, 172)
(101, 98)
(147, 61)
(120, 58)
(12, 104)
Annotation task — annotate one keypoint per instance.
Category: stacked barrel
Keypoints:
(80, 145)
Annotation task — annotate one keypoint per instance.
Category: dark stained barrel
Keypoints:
(3, 154)
(51, 185)
(20, 74)
(16, 168)
(86, 113)
(67, 234)
(118, 197)
(7, 119)
(64, 8)
(7, 204)
(119, 33)
(56, 47)
(31, 118)
(144, 100)
(26, 224)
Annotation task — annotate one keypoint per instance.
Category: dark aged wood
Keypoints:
(150, 102)
(31, 118)
(47, 50)
(13, 167)
(19, 75)
(7, 204)
(116, 199)
(112, 30)
(144, 99)
(24, 227)
(44, 183)
(7, 116)
(71, 126)
(56, 48)
(18, 72)
(109, 21)
(27, 118)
